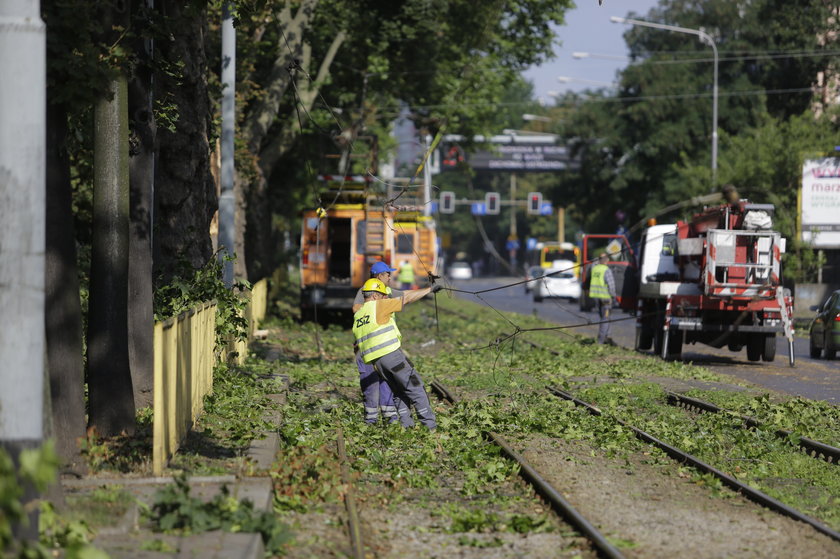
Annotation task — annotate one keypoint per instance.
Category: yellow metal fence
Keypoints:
(183, 367)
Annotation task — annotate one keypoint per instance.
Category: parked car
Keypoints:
(557, 282)
(824, 332)
(531, 273)
(460, 271)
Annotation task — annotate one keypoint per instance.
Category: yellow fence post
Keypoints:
(184, 360)
(183, 369)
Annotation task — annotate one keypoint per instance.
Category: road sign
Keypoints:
(546, 209)
(478, 208)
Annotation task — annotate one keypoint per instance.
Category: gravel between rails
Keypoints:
(660, 512)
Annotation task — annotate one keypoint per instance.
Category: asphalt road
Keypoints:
(816, 379)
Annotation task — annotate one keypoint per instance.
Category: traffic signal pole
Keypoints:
(513, 206)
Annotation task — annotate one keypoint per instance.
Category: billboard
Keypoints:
(820, 198)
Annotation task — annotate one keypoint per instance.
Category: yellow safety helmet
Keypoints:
(374, 284)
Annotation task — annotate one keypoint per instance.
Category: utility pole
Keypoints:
(513, 241)
(427, 178)
(513, 233)
(23, 116)
(227, 199)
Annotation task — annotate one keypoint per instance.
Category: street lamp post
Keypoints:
(706, 38)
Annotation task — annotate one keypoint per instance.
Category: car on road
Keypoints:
(531, 273)
(557, 282)
(460, 271)
(824, 331)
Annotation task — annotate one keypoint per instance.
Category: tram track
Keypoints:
(812, 448)
(554, 497)
(585, 521)
(675, 453)
(815, 449)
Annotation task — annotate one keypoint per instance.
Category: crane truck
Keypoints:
(714, 280)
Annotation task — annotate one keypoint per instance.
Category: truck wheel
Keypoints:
(644, 337)
(755, 345)
(675, 343)
(813, 350)
(769, 353)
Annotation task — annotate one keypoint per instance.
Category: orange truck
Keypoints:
(340, 243)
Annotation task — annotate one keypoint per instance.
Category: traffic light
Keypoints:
(447, 202)
(491, 203)
(534, 203)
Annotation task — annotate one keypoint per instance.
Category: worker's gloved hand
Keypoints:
(436, 287)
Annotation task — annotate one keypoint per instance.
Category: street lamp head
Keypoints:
(617, 19)
(580, 55)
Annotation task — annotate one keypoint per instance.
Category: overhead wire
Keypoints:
(293, 68)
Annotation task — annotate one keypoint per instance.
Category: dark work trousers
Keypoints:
(604, 306)
(408, 389)
(376, 392)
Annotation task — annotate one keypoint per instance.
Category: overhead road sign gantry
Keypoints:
(515, 151)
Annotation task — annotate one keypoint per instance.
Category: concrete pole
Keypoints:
(226, 199)
(22, 221)
(23, 129)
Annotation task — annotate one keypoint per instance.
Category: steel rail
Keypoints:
(812, 448)
(560, 505)
(353, 523)
(751, 493)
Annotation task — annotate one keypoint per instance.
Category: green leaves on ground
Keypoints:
(175, 510)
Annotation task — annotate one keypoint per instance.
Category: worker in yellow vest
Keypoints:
(602, 290)
(379, 340)
(375, 390)
(406, 275)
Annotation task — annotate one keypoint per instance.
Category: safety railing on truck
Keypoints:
(743, 263)
(184, 358)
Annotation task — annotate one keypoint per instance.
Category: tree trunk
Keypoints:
(141, 196)
(185, 194)
(64, 319)
(111, 398)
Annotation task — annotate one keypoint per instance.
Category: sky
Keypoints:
(587, 29)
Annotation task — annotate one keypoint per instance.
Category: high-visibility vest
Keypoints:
(406, 274)
(598, 288)
(374, 340)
